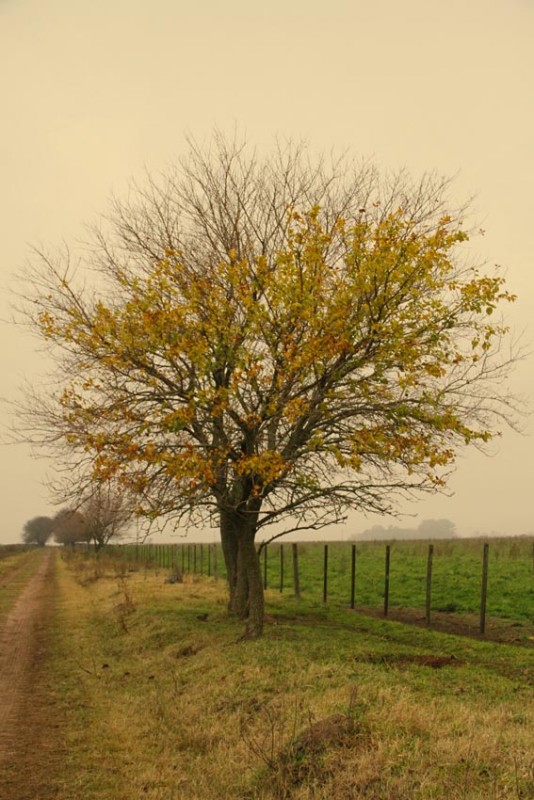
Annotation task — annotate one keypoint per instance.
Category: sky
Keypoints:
(95, 92)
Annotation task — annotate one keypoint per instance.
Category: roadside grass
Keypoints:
(162, 699)
(15, 571)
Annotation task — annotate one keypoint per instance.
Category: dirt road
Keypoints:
(25, 722)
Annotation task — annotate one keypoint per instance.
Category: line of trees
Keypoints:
(427, 529)
(100, 517)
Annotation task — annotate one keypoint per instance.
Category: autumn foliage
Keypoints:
(268, 341)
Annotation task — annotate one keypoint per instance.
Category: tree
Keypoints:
(37, 531)
(437, 528)
(270, 339)
(99, 516)
(427, 529)
(106, 512)
(69, 527)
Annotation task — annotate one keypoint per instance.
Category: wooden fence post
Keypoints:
(194, 559)
(296, 582)
(484, 591)
(428, 601)
(202, 559)
(353, 577)
(215, 562)
(209, 561)
(386, 581)
(281, 567)
(325, 574)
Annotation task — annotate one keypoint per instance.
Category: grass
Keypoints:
(457, 568)
(161, 699)
(456, 583)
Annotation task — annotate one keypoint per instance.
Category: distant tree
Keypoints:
(271, 339)
(69, 527)
(437, 528)
(37, 531)
(106, 513)
(427, 529)
(98, 516)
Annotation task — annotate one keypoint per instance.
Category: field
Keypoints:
(150, 692)
(456, 585)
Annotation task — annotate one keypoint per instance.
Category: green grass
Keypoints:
(456, 584)
(161, 702)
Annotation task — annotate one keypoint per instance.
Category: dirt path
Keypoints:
(24, 719)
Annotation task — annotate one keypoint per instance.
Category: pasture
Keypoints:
(340, 574)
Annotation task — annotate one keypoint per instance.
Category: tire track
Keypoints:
(20, 650)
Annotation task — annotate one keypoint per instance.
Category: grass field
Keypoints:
(456, 575)
(161, 699)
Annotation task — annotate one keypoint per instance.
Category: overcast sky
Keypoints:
(94, 91)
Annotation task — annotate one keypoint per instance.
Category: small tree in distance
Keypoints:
(106, 513)
(271, 340)
(37, 531)
(69, 527)
(99, 517)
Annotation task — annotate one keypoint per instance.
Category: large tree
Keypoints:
(270, 340)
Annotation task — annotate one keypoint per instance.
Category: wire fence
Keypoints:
(456, 576)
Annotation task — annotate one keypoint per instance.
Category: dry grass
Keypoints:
(162, 701)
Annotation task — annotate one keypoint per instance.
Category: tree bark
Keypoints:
(249, 581)
(243, 570)
(230, 548)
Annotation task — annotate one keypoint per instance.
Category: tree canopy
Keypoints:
(37, 530)
(98, 517)
(270, 341)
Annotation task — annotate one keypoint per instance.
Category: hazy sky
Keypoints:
(94, 91)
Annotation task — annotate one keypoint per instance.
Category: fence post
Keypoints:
(194, 559)
(202, 559)
(296, 582)
(182, 548)
(215, 562)
(386, 581)
(325, 574)
(429, 582)
(209, 561)
(281, 567)
(484, 592)
(188, 558)
(353, 577)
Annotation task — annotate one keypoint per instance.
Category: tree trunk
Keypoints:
(243, 569)
(249, 565)
(229, 548)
